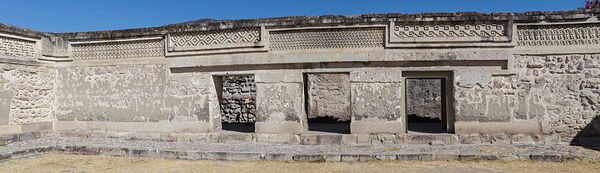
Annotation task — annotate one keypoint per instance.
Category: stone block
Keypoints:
(376, 75)
(281, 127)
(522, 139)
(349, 139)
(279, 102)
(309, 157)
(470, 139)
(376, 127)
(377, 101)
(350, 158)
(5, 100)
(363, 139)
(328, 96)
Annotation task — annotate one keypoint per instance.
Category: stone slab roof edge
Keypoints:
(307, 21)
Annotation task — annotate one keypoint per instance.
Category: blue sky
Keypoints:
(87, 15)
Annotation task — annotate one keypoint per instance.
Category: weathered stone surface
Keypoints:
(424, 98)
(328, 95)
(111, 93)
(238, 101)
(541, 81)
(31, 90)
(284, 102)
(5, 97)
(380, 101)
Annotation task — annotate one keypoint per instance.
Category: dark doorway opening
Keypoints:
(238, 127)
(237, 101)
(426, 102)
(328, 125)
(327, 99)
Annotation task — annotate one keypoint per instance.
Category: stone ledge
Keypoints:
(323, 139)
(170, 150)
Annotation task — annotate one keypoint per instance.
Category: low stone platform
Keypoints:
(286, 152)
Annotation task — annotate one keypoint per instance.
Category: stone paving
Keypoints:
(334, 153)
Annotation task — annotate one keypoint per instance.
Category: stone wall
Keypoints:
(328, 95)
(424, 98)
(238, 102)
(562, 90)
(28, 92)
(124, 93)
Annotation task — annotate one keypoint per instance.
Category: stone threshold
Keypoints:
(325, 138)
(254, 152)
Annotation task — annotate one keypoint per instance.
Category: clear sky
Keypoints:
(88, 15)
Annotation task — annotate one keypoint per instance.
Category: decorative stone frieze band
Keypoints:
(558, 35)
(119, 49)
(16, 46)
(215, 41)
(449, 34)
(327, 38)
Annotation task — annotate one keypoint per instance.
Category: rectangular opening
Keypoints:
(328, 102)
(237, 98)
(424, 105)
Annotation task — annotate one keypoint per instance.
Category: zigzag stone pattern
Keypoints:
(215, 37)
(119, 50)
(559, 35)
(364, 37)
(17, 47)
(449, 30)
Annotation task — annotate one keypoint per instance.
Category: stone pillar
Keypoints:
(279, 103)
(5, 99)
(377, 101)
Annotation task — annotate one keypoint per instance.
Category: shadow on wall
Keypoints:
(589, 136)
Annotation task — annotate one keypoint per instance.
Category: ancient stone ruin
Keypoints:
(484, 78)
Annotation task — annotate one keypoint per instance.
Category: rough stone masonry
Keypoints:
(525, 77)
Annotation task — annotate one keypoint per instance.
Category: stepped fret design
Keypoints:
(559, 35)
(474, 30)
(215, 37)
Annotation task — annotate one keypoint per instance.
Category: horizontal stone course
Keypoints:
(322, 153)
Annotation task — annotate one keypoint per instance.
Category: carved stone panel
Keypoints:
(142, 48)
(327, 38)
(559, 35)
(16, 47)
(449, 32)
(328, 95)
(215, 41)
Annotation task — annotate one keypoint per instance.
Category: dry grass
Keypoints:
(54, 162)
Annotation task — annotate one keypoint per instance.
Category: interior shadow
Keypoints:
(329, 125)
(589, 136)
(424, 124)
(238, 127)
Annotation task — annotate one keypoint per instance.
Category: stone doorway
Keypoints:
(427, 99)
(327, 97)
(237, 100)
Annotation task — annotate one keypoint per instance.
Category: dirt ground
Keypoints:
(54, 162)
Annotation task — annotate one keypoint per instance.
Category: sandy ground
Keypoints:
(53, 162)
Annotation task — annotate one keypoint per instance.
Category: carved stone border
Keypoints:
(550, 48)
(260, 45)
(36, 48)
(501, 40)
(310, 34)
(150, 47)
